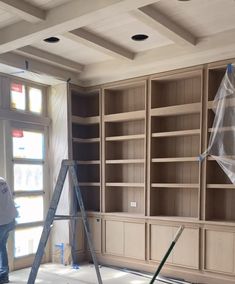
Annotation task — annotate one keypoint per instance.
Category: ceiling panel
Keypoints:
(7, 18)
(200, 17)
(72, 50)
(47, 4)
(120, 29)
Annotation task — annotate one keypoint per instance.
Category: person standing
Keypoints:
(8, 214)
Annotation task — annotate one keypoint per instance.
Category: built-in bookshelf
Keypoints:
(175, 145)
(86, 144)
(220, 192)
(124, 148)
(138, 145)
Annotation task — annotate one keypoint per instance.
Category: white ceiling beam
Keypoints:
(38, 67)
(152, 17)
(92, 40)
(24, 10)
(70, 16)
(50, 58)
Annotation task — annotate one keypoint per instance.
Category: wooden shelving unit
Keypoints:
(175, 145)
(220, 192)
(138, 144)
(86, 144)
(124, 151)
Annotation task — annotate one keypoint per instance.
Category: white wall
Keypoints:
(57, 111)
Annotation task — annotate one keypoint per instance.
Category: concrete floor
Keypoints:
(59, 274)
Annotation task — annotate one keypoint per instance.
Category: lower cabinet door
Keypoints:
(134, 241)
(186, 250)
(220, 251)
(95, 228)
(114, 237)
(160, 240)
(126, 239)
(79, 236)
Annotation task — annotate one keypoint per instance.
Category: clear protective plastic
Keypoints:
(221, 144)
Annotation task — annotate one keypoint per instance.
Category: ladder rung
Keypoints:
(66, 217)
(69, 162)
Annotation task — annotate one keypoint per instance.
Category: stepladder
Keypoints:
(71, 167)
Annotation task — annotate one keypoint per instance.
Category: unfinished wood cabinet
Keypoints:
(175, 144)
(95, 225)
(114, 237)
(220, 192)
(79, 237)
(147, 143)
(85, 131)
(186, 251)
(220, 251)
(124, 130)
(125, 238)
(134, 240)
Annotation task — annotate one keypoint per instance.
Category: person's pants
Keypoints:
(4, 234)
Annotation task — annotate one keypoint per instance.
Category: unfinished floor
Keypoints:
(59, 274)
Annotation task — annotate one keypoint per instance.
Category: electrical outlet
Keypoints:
(133, 204)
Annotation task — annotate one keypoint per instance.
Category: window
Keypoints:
(18, 98)
(35, 100)
(22, 144)
(26, 98)
(28, 161)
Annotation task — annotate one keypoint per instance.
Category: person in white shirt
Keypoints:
(8, 214)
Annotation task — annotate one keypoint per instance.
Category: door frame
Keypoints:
(26, 261)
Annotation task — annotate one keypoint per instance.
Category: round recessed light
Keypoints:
(52, 39)
(139, 37)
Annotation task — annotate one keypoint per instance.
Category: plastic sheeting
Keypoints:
(222, 139)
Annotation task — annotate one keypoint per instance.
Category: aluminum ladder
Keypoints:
(66, 165)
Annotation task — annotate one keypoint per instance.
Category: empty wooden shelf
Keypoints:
(86, 143)
(125, 147)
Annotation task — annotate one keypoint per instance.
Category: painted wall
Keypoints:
(57, 111)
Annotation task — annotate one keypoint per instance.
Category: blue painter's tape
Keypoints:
(230, 68)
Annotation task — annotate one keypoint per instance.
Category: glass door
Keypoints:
(29, 191)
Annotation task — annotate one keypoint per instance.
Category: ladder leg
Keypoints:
(47, 225)
(85, 220)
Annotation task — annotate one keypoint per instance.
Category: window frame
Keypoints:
(29, 85)
(44, 193)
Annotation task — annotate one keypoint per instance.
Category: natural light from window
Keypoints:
(18, 97)
(35, 100)
(27, 145)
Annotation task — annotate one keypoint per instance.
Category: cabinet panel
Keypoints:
(134, 240)
(95, 228)
(79, 236)
(114, 236)
(219, 251)
(160, 239)
(186, 250)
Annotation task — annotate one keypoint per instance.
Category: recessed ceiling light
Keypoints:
(52, 39)
(139, 37)
(184, 0)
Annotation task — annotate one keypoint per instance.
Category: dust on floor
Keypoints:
(59, 274)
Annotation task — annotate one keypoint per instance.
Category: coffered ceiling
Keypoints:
(95, 37)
